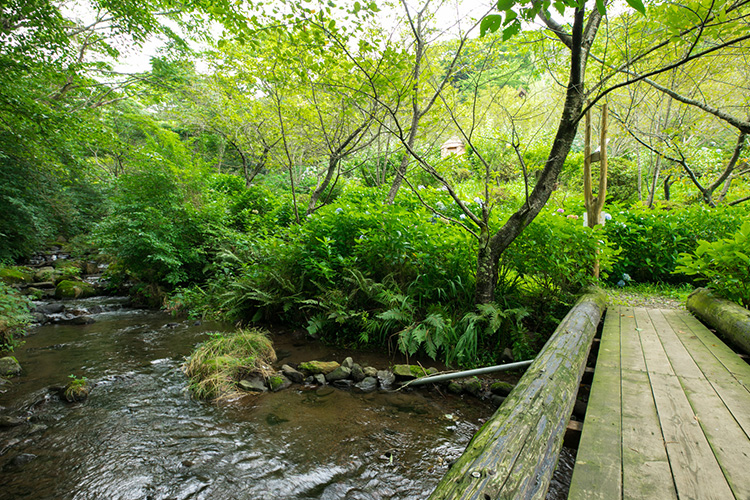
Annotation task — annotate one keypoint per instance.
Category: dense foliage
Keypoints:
(14, 316)
(291, 170)
(724, 265)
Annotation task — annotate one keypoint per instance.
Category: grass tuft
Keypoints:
(219, 363)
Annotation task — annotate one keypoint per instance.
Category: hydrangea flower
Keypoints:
(560, 210)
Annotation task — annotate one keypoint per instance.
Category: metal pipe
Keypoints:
(468, 373)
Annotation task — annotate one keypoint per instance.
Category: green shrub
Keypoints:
(14, 316)
(652, 240)
(218, 364)
(555, 256)
(724, 265)
(158, 231)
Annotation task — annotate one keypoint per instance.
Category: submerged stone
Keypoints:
(386, 378)
(8, 421)
(9, 367)
(368, 384)
(76, 391)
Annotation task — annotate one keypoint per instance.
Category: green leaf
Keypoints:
(511, 30)
(637, 5)
(490, 23)
(505, 4)
(600, 7)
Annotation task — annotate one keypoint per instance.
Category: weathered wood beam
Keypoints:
(515, 453)
(730, 320)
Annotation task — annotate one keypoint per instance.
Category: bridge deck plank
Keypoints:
(669, 412)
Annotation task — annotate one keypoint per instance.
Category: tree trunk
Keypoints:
(654, 182)
(487, 270)
(566, 133)
(730, 320)
(333, 163)
(640, 174)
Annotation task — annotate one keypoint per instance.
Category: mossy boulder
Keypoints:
(67, 273)
(70, 289)
(44, 274)
(16, 275)
(501, 388)
(409, 372)
(473, 386)
(77, 390)
(278, 382)
(315, 367)
(9, 367)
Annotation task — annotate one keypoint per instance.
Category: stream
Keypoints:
(141, 436)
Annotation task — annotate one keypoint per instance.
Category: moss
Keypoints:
(501, 388)
(69, 289)
(15, 275)
(275, 382)
(409, 371)
(473, 386)
(67, 273)
(315, 367)
(77, 390)
(217, 365)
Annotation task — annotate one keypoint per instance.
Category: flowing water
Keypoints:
(141, 436)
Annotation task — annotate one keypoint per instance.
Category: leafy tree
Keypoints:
(578, 35)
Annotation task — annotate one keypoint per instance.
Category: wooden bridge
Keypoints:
(668, 414)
